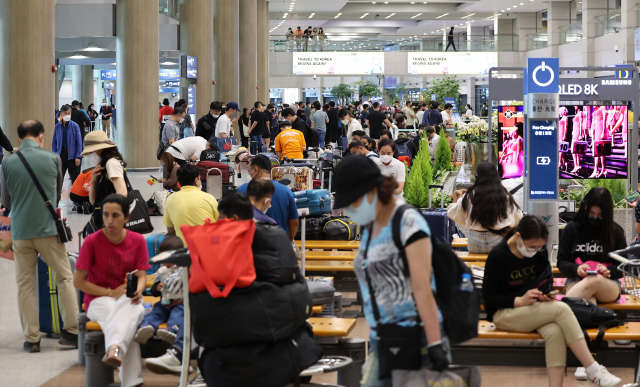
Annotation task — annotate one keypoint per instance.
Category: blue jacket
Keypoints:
(74, 140)
(432, 117)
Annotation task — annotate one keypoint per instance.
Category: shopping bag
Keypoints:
(225, 144)
(139, 220)
(451, 377)
(221, 256)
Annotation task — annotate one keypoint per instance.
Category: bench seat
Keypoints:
(330, 245)
(471, 257)
(459, 242)
(330, 255)
(325, 266)
(628, 331)
(483, 264)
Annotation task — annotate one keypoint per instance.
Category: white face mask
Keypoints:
(522, 249)
(215, 115)
(386, 159)
(345, 121)
(181, 120)
(92, 159)
(265, 206)
(66, 118)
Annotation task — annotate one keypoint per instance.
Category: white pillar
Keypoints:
(558, 16)
(590, 10)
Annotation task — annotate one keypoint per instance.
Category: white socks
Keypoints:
(593, 368)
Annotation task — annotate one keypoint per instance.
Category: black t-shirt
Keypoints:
(261, 126)
(507, 277)
(583, 241)
(332, 113)
(376, 118)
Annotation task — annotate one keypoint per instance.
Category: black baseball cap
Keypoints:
(354, 177)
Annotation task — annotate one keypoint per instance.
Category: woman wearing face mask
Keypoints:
(487, 209)
(108, 176)
(390, 166)
(350, 123)
(516, 269)
(390, 296)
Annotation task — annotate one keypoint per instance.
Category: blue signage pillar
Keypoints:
(541, 144)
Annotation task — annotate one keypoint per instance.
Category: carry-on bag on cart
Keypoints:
(301, 177)
(317, 201)
(442, 227)
(340, 229)
(214, 176)
(153, 248)
(47, 289)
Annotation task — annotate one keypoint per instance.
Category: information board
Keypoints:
(329, 63)
(451, 62)
(543, 155)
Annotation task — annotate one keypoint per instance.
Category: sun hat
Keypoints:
(96, 140)
(354, 177)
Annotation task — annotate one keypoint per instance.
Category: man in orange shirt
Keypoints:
(290, 142)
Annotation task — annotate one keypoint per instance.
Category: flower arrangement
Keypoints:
(476, 131)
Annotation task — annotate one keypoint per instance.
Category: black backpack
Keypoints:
(460, 309)
(210, 155)
(592, 316)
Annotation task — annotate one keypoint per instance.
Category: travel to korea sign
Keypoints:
(451, 62)
(336, 63)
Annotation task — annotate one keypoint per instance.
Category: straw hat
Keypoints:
(96, 140)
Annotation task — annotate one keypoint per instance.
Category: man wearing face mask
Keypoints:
(206, 125)
(260, 193)
(34, 232)
(67, 143)
(223, 126)
(350, 123)
(390, 166)
(171, 130)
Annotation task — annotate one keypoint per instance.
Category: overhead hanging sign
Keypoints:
(191, 99)
(109, 75)
(336, 63)
(189, 67)
(451, 62)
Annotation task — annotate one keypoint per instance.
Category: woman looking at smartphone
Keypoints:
(516, 278)
(106, 258)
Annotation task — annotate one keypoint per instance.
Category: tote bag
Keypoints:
(221, 256)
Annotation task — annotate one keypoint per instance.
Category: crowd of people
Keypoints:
(312, 37)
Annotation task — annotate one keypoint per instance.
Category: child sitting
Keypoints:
(79, 192)
(167, 310)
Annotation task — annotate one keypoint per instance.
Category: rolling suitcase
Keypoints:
(47, 292)
(579, 147)
(301, 177)
(442, 227)
(602, 148)
(153, 248)
(317, 201)
(213, 176)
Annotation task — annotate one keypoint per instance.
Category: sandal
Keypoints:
(112, 357)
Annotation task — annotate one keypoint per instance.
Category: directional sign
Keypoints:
(433, 97)
(543, 170)
(192, 73)
(171, 83)
(543, 75)
(189, 67)
(189, 61)
(191, 100)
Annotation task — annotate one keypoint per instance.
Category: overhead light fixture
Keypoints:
(424, 2)
(469, 15)
(285, 15)
(365, 15)
(416, 15)
(502, 10)
(92, 47)
(515, 6)
(338, 15)
(442, 16)
(78, 55)
(431, 32)
(390, 15)
(168, 63)
(310, 16)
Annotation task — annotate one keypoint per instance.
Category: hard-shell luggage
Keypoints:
(313, 228)
(205, 169)
(301, 177)
(47, 290)
(580, 147)
(153, 248)
(442, 227)
(602, 148)
(317, 201)
(340, 229)
(274, 159)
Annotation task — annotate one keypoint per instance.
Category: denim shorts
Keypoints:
(481, 242)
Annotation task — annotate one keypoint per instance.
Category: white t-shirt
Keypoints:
(114, 168)
(395, 169)
(353, 126)
(419, 116)
(445, 116)
(187, 147)
(223, 125)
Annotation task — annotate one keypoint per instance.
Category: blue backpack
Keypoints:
(403, 150)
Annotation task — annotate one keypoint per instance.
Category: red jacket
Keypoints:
(165, 111)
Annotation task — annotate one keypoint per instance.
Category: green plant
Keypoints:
(420, 177)
(443, 155)
(342, 92)
(443, 86)
(367, 88)
(615, 186)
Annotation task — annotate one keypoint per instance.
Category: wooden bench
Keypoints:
(329, 245)
(471, 257)
(328, 266)
(332, 327)
(459, 242)
(483, 264)
(330, 255)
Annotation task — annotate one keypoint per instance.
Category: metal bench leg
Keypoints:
(97, 373)
(82, 331)
(356, 350)
(186, 346)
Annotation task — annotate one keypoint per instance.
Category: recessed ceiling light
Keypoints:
(515, 6)
(373, 2)
(310, 16)
(502, 10)
(77, 55)
(92, 47)
(416, 15)
(521, 3)
(386, 2)
(365, 15)
(469, 15)
(508, 9)
(442, 16)
(338, 15)
(390, 15)
(424, 2)
(285, 15)
(432, 32)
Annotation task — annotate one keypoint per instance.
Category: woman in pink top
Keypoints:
(577, 135)
(106, 257)
(562, 126)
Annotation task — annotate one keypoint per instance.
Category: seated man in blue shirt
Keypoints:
(283, 205)
(260, 193)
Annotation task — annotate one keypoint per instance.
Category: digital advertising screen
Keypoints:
(510, 143)
(593, 142)
(451, 62)
(328, 63)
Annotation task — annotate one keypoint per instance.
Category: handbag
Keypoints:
(451, 377)
(161, 149)
(62, 226)
(221, 255)
(398, 346)
(139, 220)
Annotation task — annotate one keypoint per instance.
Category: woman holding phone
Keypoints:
(516, 279)
(106, 259)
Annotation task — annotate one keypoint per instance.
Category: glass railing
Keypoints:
(169, 8)
(609, 23)
(571, 33)
(536, 41)
(280, 43)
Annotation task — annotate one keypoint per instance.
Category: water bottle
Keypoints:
(466, 284)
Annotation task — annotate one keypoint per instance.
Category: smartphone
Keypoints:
(132, 285)
(591, 272)
(632, 197)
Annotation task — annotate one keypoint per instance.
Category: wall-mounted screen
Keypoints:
(593, 142)
(510, 143)
(451, 62)
(329, 63)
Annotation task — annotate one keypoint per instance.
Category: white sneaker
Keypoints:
(165, 364)
(166, 335)
(143, 334)
(198, 381)
(603, 378)
(581, 373)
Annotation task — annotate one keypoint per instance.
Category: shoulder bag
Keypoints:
(62, 226)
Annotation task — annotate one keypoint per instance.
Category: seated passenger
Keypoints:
(585, 245)
(106, 257)
(79, 192)
(487, 209)
(515, 269)
(260, 193)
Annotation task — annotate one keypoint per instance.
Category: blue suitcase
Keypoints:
(274, 159)
(48, 308)
(442, 227)
(153, 248)
(318, 201)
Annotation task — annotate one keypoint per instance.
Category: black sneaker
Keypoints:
(69, 339)
(31, 347)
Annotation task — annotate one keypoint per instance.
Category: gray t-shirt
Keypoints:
(319, 120)
(171, 130)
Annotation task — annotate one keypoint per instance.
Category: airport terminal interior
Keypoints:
(543, 90)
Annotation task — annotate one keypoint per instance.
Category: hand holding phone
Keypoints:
(592, 272)
(132, 285)
(633, 197)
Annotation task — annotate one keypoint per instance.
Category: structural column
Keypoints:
(196, 39)
(525, 25)
(590, 10)
(82, 83)
(503, 29)
(225, 48)
(137, 82)
(559, 16)
(263, 51)
(248, 52)
(628, 14)
(26, 77)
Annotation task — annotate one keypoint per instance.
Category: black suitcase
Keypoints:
(313, 228)
(322, 290)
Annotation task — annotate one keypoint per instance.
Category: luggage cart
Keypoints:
(629, 259)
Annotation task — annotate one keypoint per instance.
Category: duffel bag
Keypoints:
(313, 228)
(273, 256)
(340, 229)
(261, 313)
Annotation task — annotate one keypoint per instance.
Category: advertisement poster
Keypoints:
(455, 116)
(330, 63)
(510, 141)
(451, 62)
(543, 172)
(5, 238)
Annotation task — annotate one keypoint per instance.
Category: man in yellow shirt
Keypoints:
(190, 205)
(290, 142)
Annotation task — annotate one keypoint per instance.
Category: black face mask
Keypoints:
(594, 222)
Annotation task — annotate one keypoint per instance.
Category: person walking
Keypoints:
(33, 232)
(244, 127)
(80, 118)
(93, 114)
(67, 143)
(319, 122)
(165, 112)
(333, 131)
(258, 129)
(113, 120)
(450, 41)
(171, 130)
(105, 114)
(411, 116)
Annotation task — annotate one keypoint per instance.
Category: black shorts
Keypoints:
(578, 279)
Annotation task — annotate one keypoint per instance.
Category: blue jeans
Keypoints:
(256, 146)
(322, 134)
(482, 242)
(172, 316)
